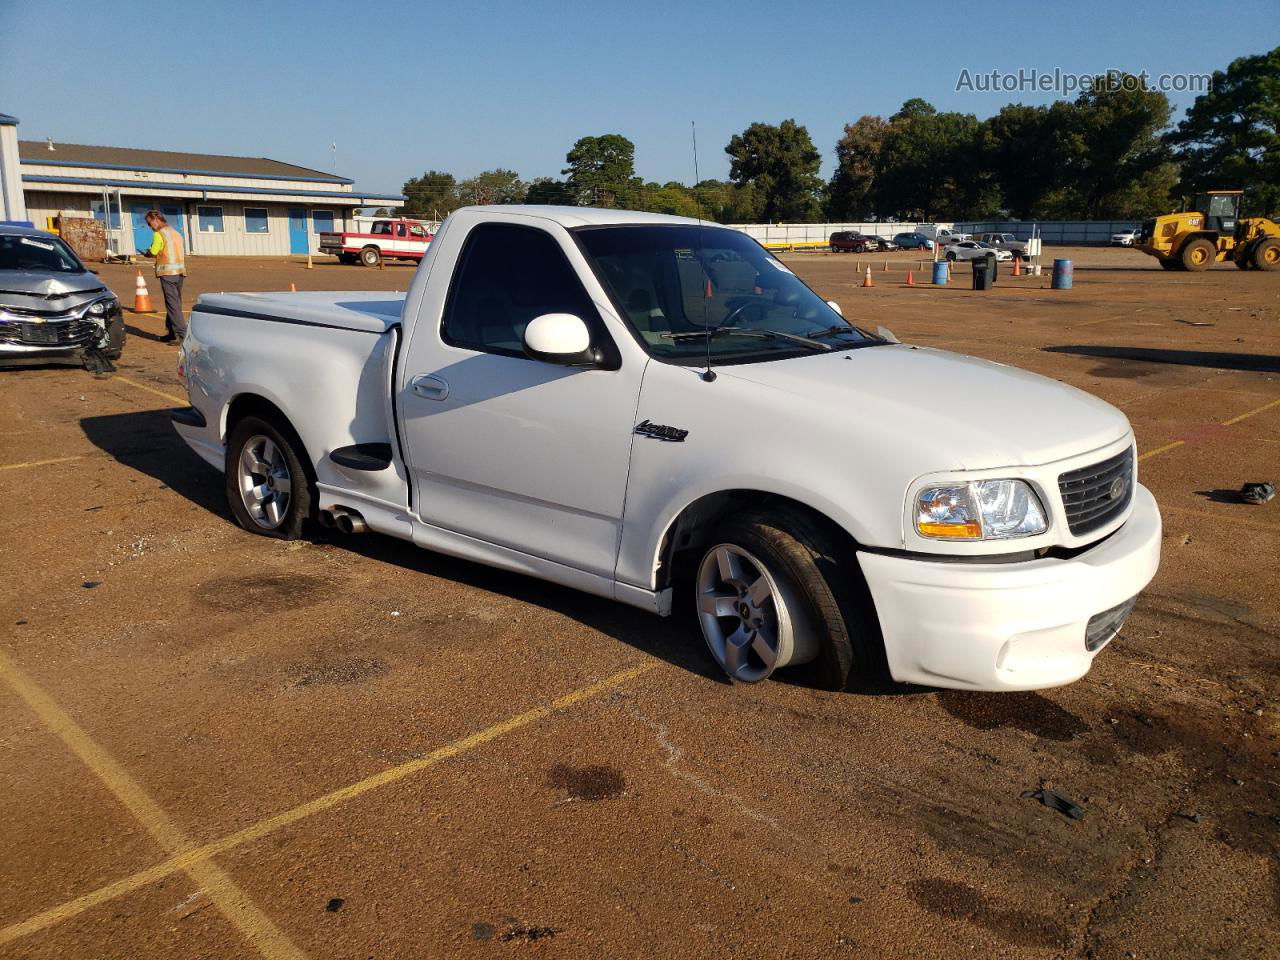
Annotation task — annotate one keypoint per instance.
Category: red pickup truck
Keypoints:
(386, 240)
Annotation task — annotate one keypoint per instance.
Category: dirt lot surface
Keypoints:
(217, 745)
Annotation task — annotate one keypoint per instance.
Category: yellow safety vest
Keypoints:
(169, 260)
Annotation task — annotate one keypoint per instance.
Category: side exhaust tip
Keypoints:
(348, 521)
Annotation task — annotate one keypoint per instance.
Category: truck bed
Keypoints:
(369, 311)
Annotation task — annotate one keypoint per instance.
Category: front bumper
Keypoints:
(1008, 626)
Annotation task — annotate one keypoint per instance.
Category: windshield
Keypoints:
(37, 255)
(682, 287)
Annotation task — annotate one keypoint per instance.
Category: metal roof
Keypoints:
(166, 161)
(8, 121)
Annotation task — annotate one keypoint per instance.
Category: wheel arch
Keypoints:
(691, 527)
(250, 404)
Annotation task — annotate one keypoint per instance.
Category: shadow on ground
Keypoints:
(147, 442)
(1191, 358)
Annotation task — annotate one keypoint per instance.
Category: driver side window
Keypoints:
(506, 276)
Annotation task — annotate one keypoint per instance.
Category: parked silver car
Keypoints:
(52, 307)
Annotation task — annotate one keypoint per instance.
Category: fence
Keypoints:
(803, 235)
(1052, 232)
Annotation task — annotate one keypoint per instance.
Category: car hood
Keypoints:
(961, 413)
(48, 291)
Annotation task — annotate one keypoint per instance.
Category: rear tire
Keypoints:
(775, 579)
(1198, 255)
(1266, 254)
(370, 256)
(269, 488)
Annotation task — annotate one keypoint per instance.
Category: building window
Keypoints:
(99, 211)
(255, 220)
(210, 219)
(322, 221)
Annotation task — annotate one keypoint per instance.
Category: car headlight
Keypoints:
(979, 510)
(100, 307)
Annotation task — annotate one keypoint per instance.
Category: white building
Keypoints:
(223, 206)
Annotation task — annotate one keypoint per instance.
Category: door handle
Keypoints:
(433, 388)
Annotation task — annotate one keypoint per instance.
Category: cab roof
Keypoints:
(585, 216)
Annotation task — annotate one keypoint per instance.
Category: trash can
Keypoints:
(940, 272)
(984, 271)
(1062, 274)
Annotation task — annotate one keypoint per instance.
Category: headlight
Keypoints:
(979, 510)
(100, 307)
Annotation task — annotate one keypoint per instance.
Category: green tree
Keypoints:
(547, 190)
(493, 186)
(849, 195)
(600, 169)
(1119, 166)
(1230, 137)
(1028, 152)
(434, 195)
(930, 167)
(781, 164)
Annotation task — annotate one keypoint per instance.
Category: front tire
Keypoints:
(115, 339)
(1169, 264)
(1198, 255)
(775, 589)
(268, 487)
(371, 256)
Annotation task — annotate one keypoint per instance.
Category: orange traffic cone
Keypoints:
(866, 278)
(911, 282)
(293, 288)
(1017, 266)
(141, 299)
(707, 292)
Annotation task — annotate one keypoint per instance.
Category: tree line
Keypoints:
(1111, 153)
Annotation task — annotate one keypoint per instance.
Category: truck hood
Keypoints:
(970, 414)
(48, 291)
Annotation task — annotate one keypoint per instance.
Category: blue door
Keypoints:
(299, 241)
(142, 234)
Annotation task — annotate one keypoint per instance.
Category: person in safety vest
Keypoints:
(171, 268)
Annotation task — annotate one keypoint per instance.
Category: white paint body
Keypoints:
(535, 467)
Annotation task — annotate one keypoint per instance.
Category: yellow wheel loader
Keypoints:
(1212, 231)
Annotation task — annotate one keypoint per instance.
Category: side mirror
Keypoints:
(560, 338)
(835, 306)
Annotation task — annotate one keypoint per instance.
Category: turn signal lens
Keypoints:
(948, 513)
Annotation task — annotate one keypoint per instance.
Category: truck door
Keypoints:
(517, 452)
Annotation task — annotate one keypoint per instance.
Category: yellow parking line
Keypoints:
(235, 905)
(1165, 449)
(188, 860)
(158, 393)
(37, 463)
(1251, 413)
(1225, 423)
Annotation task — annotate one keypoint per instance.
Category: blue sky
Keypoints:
(405, 87)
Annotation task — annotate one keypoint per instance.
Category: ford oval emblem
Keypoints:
(1117, 488)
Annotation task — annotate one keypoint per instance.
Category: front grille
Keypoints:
(1092, 497)
(1104, 626)
(71, 334)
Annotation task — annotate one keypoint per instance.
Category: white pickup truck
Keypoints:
(541, 401)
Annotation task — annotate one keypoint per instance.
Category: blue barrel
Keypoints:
(940, 272)
(1062, 272)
